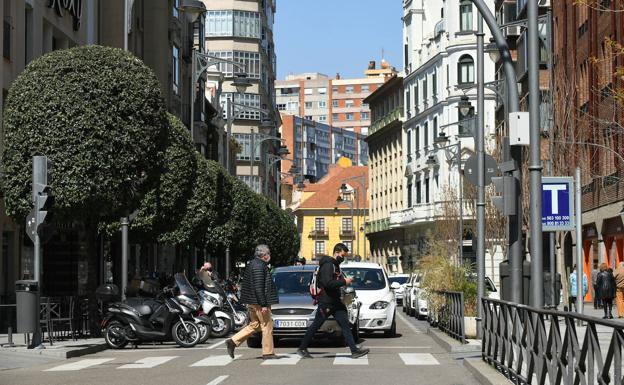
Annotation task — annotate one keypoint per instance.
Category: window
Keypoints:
(233, 23)
(349, 103)
(176, 8)
(308, 104)
(322, 104)
(347, 224)
(418, 193)
(465, 70)
(365, 88)
(319, 247)
(434, 86)
(435, 127)
(427, 190)
(335, 103)
(292, 105)
(245, 142)
(349, 89)
(349, 245)
(322, 90)
(408, 147)
(322, 118)
(409, 195)
(251, 100)
(307, 91)
(335, 116)
(465, 15)
(253, 184)
(176, 69)
(251, 61)
(426, 133)
(281, 106)
(348, 116)
(334, 88)
(417, 138)
(319, 224)
(364, 116)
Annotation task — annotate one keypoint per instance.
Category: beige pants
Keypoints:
(257, 322)
(619, 301)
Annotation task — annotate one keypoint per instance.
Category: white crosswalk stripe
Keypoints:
(345, 359)
(78, 365)
(148, 362)
(287, 359)
(418, 359)
(216, 360)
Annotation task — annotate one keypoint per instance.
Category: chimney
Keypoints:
(337, 75)
(371, 65)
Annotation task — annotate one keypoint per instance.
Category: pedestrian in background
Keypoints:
(606, 287)
(573, 288)
(258, 293)
(594, 277)
(619, 289)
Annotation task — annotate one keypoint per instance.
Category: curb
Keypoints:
(58, 353)
(451, 345)
(484, 373)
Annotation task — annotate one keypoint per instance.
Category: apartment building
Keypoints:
(588, 125)
(305, 95)
(439, 59)
(386, 172)
(242, 31)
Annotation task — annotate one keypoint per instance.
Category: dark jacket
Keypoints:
(258, 286)
(330, 280)
(606, 284)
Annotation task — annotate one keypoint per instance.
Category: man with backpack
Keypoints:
(329, 282)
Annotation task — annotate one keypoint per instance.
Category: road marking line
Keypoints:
(215, 345)
(418, 359)
(409, 324)
(82, 364)
(401, 347)
(216, 360)
(148, 362)
(345, 359)
(218, 380)
(287, 359)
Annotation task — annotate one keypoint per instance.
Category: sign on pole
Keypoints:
(557, 204)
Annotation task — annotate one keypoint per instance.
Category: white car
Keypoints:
(402, 280)
(376, 295)
(410, 295)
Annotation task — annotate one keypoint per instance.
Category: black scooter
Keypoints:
(159, 319)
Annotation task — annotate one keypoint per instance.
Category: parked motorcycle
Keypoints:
(168, 316)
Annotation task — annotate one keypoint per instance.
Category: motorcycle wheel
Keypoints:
(115, 335)
(221, 327)
(242, 319)
(182, 337)
(204, 332)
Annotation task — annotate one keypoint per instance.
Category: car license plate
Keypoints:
(291, 323)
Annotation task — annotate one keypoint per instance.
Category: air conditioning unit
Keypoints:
(513, 30)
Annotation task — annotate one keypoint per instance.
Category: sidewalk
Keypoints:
(60, 349)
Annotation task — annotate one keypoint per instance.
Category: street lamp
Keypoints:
(254, 144)
(493, 51)
(193, 8)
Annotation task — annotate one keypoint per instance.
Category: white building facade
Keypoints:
(440, 70)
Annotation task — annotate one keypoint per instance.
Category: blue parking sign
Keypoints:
(557, 203)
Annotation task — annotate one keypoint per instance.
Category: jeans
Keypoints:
(323, 311)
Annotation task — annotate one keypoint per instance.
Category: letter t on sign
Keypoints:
(554, 195)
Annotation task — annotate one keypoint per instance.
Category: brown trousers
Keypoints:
(619, 301)
(257, 322)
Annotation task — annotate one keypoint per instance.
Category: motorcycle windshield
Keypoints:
(184, 285)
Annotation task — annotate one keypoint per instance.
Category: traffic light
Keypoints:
(507, 201)
(44, 200)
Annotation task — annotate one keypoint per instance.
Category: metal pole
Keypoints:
(192, 98)
(461, 204)
(579, 244)
(230, 118)
(551, 250)
(535, 165)
(125, 22)
(39, 176)
(227, 262)
(265, 188)
(278, 176)
(252, 158)
(124, 256)
(515, 222)
(480, 147)
(357, 205)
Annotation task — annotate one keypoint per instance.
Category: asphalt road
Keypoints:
(410, 358)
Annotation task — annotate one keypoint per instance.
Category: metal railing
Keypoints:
(450, 314)
(537, 346)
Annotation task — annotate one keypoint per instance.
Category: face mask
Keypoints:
(340, 259)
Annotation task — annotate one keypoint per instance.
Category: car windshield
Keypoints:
(400, 280)
(365, 279)
(293, 282)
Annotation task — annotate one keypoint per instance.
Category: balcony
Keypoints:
(603, 191)
(378, 226)
(440, 28)
(394, 115)
(419, 213)
(347, 232)
(319, 233)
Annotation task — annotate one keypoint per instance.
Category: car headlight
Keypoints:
(379, 305)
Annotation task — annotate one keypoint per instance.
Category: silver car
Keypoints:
(296, 309)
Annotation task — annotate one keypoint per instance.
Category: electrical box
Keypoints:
(519, 134)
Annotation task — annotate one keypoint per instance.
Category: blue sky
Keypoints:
(330, 36)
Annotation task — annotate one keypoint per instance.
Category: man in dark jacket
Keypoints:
(258, 293)
(330, 280)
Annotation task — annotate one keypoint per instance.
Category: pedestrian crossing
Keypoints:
(339, 359)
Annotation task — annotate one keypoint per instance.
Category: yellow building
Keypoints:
(334, 210)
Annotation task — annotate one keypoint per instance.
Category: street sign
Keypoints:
(31, 225)
(470, 169)
(557, 204)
